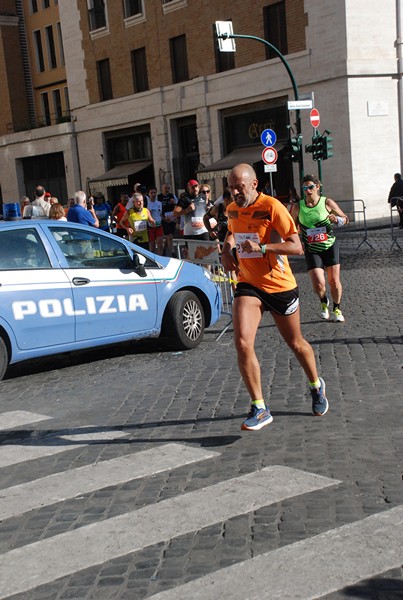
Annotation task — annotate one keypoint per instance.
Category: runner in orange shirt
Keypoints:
(263, 233)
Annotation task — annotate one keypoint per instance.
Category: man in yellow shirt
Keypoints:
(264, 233)
(136, 221)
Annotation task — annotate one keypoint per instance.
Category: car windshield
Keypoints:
(88, 249)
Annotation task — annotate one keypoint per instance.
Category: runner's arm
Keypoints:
(150, 219)
(295, 212)
(227, 258)
(124, 223)
(291, 246)
(335, 211)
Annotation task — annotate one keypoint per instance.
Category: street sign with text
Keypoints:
(299, 104)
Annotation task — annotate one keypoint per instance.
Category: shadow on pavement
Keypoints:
(378, 588)
(392, 339)
(80, 357)
(54, 437)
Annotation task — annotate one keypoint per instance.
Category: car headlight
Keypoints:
(207, 273)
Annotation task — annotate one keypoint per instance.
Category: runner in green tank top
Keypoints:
(317, 216)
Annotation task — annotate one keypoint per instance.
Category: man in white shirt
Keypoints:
(39, 208)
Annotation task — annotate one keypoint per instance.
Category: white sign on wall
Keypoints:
(377, 108)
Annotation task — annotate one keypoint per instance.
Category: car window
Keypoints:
(91, 250)
(22, 249)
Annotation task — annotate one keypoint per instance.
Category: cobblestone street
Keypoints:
(194, 496)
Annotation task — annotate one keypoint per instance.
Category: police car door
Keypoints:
(35, 295)
(111, 300)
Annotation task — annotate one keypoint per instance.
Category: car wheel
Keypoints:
(3, 358)
(183, 325)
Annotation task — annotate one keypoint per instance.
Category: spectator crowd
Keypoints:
(148, 217)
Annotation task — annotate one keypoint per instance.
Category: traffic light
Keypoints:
(294, 147)
(322, 146)
(317, 147)
(327, 147)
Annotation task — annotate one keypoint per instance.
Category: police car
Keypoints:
(65, 287)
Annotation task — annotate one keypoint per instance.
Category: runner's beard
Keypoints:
(241, 201)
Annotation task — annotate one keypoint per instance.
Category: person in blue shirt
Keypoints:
(79, 213)
(102, 211)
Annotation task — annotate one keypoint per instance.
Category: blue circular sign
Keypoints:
(268, 137)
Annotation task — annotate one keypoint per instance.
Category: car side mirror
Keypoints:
(138, 266)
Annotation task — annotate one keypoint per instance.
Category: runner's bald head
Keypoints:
(242, 170)
(242, 182)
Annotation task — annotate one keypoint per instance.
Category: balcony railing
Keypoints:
(43, 121)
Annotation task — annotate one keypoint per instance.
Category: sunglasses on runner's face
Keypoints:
(308, 187)
(205, 191)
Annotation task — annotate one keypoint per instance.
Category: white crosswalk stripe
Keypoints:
(70, 484)
(64, 554)
(348, 554)
(307, 569)
(15, 453)
(17, 418)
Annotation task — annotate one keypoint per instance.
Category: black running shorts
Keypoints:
(282, 303)
(320, 260)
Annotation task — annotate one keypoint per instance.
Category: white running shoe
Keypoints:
(338, 315)
(324, 310)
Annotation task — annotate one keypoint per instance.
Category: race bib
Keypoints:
(140, 225)
(169, 215)
(240, 238)
(197, 223)
(316, 235)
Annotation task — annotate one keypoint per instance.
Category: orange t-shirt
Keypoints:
(265, 221)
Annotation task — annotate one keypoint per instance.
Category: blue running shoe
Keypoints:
(320, 405)
(257, 418)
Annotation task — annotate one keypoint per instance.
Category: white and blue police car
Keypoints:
(65, 287)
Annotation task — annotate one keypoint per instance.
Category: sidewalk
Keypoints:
(380, 223)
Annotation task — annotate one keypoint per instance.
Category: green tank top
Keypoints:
(316, 227)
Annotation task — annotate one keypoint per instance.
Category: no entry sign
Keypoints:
(314, 117)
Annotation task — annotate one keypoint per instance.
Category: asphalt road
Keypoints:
(124, 472)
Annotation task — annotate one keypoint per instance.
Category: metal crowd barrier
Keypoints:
(207, 255)
(396, 205)
(355, 232)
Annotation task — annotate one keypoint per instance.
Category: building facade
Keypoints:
(137, 91)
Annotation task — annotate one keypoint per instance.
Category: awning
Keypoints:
(222, 167)
(118, 175)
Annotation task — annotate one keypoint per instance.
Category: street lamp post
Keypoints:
(229, 35)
